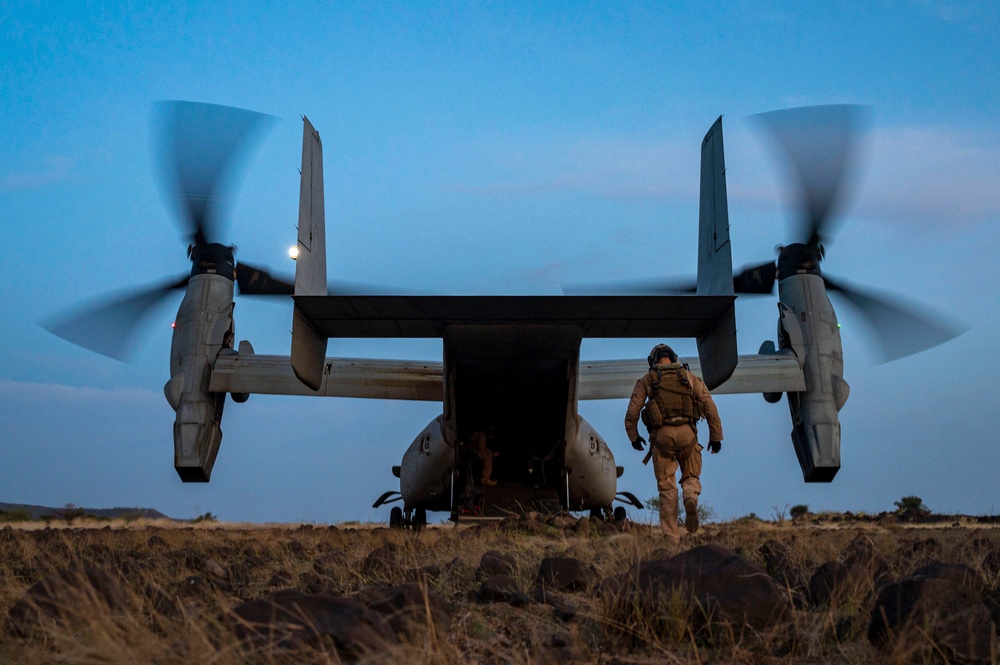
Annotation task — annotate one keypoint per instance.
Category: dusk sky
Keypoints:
(492, 148)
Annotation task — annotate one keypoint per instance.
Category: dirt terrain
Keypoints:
(528, 590)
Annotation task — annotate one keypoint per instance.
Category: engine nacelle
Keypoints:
(425, 475)
(204, 326)
(590, 468)
(808, 326)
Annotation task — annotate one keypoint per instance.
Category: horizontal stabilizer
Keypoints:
(360, 316)
(424, 380)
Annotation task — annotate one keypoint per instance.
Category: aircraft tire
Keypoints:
(396, 518)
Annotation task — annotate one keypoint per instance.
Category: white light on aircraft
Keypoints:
(293, 252)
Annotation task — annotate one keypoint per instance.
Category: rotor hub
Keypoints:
(798, 258)
(212, 259)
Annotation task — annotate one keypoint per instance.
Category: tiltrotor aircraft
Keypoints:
(510, 363)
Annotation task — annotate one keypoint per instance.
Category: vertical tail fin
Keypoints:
(716, 348)
(309, 348)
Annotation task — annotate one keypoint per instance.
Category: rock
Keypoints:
(563, 574)
(381, 561)
(155, 542)
(193, 560)
(424, 573)
(192, 586)
(992, 603)
(330, 563)
(162, 602)
(564, 522)
(71, 594)
(281, 578)
(718, 586)
(495, 562)
(991, 562)
(498, 589)
(957, 574)
(292, 619)
(936, 611)
(831, 582)
(777, 563)
(313, 583)
(927, 546)
(408, 608)
(860, 552)
(834, 581)
(216, 571)
(582, 526)
(565, 609)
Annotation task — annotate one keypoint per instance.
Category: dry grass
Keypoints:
(180, 581)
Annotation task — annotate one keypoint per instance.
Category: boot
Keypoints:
(487, 482)
(691, 515)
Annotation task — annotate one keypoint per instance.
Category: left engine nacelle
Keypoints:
(204, 326)
(592, 477)
(425, 475)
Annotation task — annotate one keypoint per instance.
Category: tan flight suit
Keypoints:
(481, 449)
(674, 445)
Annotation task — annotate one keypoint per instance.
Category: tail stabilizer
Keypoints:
(717, 349)
(308, 347)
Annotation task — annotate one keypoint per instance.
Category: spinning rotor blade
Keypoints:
(200, 146)
(341, 287)
(108, 327)
(256, 281)
(756, 280)
(819, 143)
(633, 287)
(751, 280)
(901, 329)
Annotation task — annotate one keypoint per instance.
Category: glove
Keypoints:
(714, 446)
(639, 443)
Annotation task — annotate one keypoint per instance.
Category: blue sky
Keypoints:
(491, 148)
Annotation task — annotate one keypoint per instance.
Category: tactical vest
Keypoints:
(671, 399)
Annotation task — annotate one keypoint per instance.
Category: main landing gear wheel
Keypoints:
(603, 514)
(419, 519)
(396, 518)
(619, 514)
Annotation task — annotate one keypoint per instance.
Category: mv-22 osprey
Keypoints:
(511, 363)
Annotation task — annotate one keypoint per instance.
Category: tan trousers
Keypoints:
(486, 455)
(675, 446)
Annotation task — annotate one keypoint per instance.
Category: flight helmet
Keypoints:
(658, 352)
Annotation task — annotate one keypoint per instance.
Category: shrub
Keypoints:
(15, 515)
(799, 511)
(70, 512)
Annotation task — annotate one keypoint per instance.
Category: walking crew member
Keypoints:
(670, 400)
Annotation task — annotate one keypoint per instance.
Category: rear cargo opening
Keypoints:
(519, 392)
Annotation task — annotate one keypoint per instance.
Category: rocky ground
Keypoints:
(527, 590)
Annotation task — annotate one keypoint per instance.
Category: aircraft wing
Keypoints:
(614, 379)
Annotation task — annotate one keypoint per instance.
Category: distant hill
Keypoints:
(38, 511)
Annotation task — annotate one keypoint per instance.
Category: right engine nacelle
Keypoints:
(808, 326)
